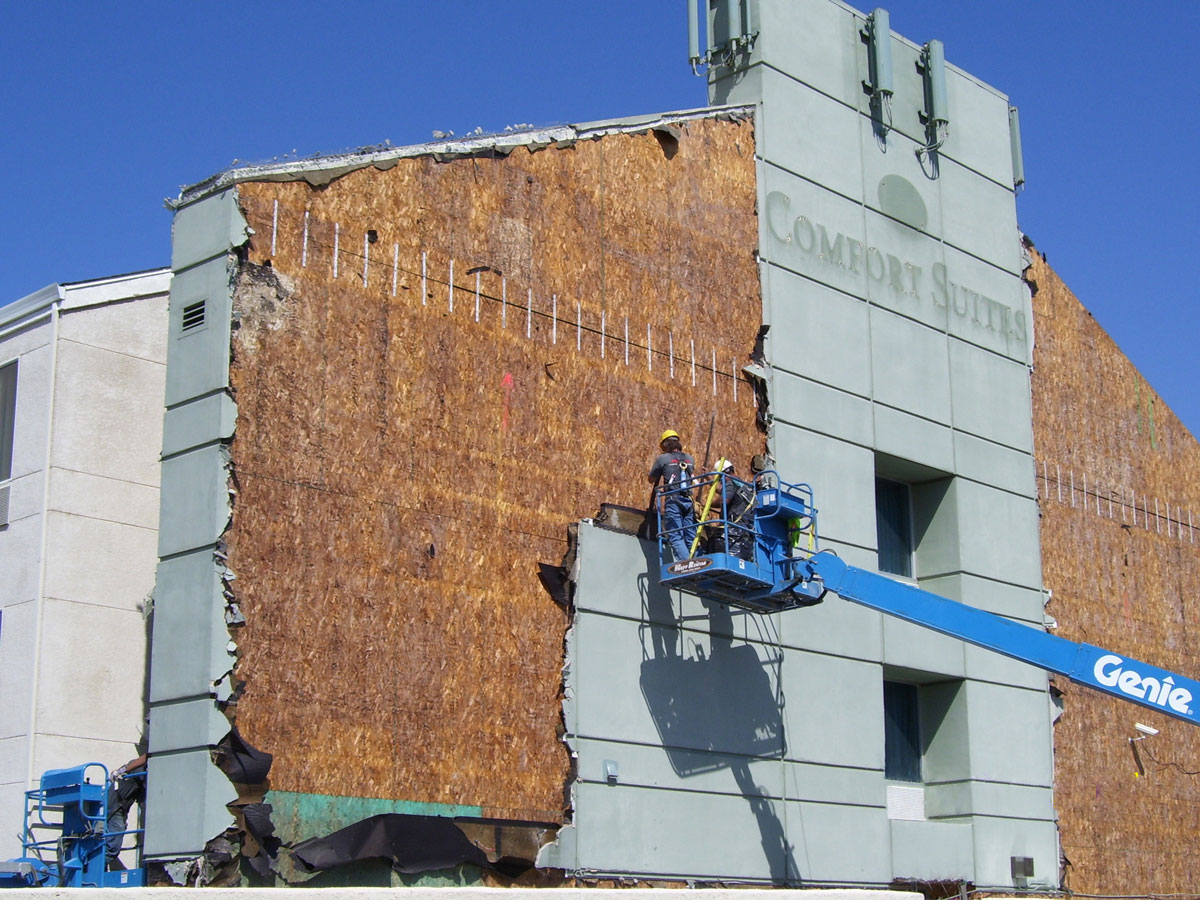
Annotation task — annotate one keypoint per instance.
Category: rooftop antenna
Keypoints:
(1014, 136)
(880, 84)
(936, 115)
(730, 30)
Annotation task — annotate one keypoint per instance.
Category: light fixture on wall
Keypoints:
(1146, 732)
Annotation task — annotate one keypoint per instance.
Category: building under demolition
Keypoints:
(403, 619)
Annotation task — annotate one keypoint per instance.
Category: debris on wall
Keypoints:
(1123, 566)
(438, 364)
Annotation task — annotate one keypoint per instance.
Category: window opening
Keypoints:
(901, 732)
(893, 525)
(8, 417)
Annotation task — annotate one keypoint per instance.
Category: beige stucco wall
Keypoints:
(78, 556)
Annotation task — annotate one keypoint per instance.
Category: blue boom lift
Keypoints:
(64, 836)
(784, 570)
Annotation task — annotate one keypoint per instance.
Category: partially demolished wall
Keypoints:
(437, 366)
(1119, 490)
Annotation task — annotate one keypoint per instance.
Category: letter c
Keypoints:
(777, 200)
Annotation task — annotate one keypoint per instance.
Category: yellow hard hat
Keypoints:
(668, 434)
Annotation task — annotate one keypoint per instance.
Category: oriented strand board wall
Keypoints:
(1123, 580)
(405, 457)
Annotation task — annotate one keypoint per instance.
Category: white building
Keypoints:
(82, 371)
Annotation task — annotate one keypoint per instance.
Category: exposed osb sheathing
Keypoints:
(1129, 814)
(403, 467)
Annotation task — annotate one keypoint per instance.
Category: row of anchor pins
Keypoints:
(620, 341)
(1110, 502)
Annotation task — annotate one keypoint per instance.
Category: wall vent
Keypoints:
(4, 492)
(193, 316)
(906, 802)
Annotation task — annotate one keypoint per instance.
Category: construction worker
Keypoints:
(128, 786)
(671, 476)
(737, 499)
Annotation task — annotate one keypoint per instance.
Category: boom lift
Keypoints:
(63, 839)
(780, 575)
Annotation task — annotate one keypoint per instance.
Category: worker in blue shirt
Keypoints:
(672, 475)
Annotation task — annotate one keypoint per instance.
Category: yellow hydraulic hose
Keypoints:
(707, 506)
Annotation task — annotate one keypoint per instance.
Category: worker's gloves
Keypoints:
(119, 773)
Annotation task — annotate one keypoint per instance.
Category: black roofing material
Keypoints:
(414, 844)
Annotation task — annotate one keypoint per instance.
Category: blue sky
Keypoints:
(112, 107)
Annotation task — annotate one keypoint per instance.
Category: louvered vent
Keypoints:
(4, 492)
(193, 316)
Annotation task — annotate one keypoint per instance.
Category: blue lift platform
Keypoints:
(780, 567)
(765, 576)
(70, 809)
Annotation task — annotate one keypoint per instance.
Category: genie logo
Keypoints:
(1111, 671)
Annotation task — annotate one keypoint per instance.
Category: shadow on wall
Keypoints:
(714, 711)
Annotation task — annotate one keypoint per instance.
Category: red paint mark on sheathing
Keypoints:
(507, 383)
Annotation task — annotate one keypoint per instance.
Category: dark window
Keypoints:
(893, 526)
(901, 732)
(8, 417)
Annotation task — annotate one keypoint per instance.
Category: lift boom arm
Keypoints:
(1085, 664)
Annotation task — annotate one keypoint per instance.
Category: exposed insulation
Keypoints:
(403, 467)
(1128, 813)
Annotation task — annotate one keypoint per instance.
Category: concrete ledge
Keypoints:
(452, 893)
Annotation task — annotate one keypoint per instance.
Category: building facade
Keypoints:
(401, 385)
(1119, 490)
(82, 368)
(897, 371)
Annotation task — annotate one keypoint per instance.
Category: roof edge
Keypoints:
(81, 294)
(31, 306)
(321, 170)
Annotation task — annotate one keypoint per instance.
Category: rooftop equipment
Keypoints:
(730, 28)
(936, 115)
(878, 35)
(1014, 136)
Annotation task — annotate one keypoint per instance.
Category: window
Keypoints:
(926, 744)
(8, 417)
(901, 732)
(893, 527)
